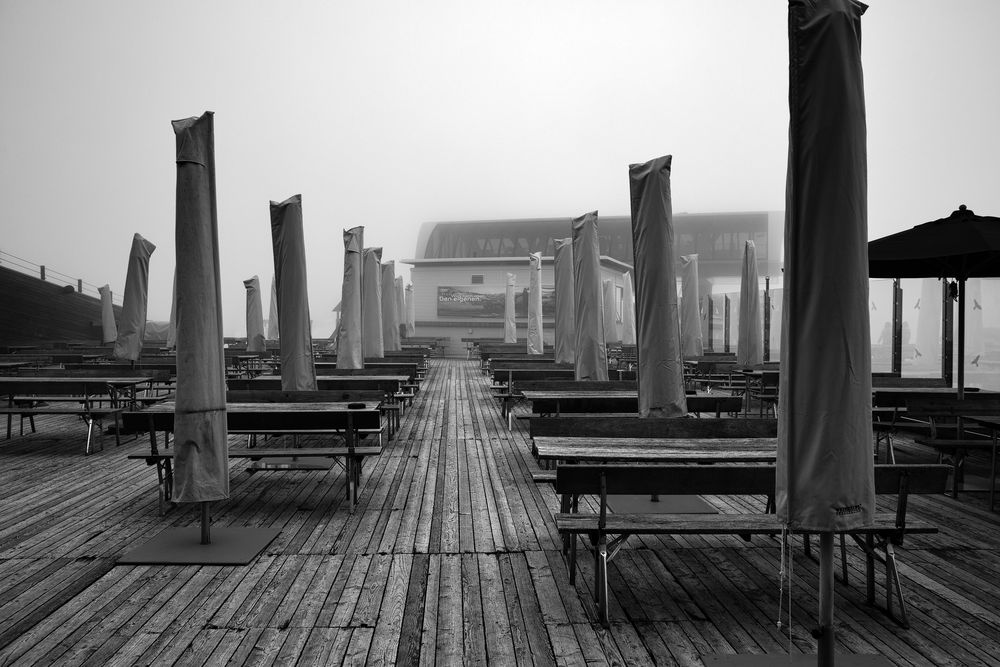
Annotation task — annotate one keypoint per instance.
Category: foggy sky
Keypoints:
(387, 114)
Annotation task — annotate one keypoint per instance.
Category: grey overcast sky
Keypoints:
(390, 113)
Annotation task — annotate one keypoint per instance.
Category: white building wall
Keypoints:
(426, 278)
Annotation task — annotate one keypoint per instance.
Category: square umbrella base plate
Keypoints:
(800, 660)
(641, 504)
(182, 546)
(293, 463)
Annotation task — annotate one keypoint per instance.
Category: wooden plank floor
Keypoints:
(450, 558)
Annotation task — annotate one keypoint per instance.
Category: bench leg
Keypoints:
(892, 579)
(601, 584)
(564, 505)
(958, 459)
(90, 431)
(165, 484)
(352, 481)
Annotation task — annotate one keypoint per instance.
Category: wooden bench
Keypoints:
(609, 403)
(947, 413)
(391, 411)
(353, 458)
(608, 532)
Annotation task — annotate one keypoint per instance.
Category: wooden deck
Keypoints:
(451, 557)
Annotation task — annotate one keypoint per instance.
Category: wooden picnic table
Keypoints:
(347, 419)
(87, 393)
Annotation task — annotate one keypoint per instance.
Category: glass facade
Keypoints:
(714, 236)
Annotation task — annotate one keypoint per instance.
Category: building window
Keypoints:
(477, 280)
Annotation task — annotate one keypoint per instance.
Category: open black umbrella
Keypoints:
(962, 246)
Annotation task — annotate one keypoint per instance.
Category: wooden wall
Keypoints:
(32, 311)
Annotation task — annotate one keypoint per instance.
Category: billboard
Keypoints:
(487, 302)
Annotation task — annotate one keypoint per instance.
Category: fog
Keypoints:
(389, 114)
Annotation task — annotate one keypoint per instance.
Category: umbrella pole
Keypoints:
(206, 523)
(825, 632)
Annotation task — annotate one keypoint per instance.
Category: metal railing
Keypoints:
(50, 275)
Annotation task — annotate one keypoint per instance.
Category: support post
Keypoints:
(767, 318)
(825, 632)
(711, 322)
(961, 345)
(947, 338)
(725, 325)
(41, 272)
(897, 327)
(79, 285)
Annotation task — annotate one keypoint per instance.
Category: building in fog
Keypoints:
(459, 268)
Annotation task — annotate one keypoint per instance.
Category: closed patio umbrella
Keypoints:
(201, 458)
(109, 330)
(288, 241)
(536, 345)
(372, 332)
(400, 310)
(272, 317)
(509, 325)
(349, 350)
(255, 316)
(390, 311)
(628, 312)
(661, 370)
(750, 341)
(825, 473)
(591, 361)
(411, 314)
(565, 338)
(691, 339)
(132, 323)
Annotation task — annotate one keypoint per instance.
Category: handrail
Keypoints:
(45, 273)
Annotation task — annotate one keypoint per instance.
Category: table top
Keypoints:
(170, 406)
(657, 450)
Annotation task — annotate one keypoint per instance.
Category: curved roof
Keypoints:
(716, 237)
(517, 238)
